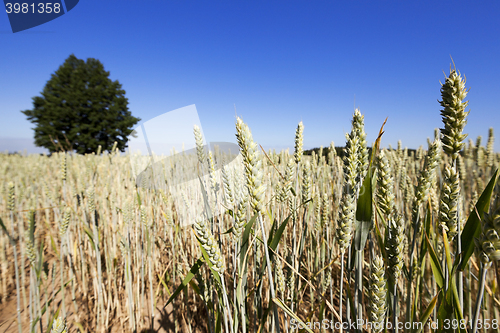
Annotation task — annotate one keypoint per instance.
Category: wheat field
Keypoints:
(391, 237)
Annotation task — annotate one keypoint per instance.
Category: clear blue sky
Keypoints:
(279, 62)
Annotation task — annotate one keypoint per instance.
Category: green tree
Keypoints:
(80, 109)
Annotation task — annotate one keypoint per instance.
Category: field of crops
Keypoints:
(393, 238)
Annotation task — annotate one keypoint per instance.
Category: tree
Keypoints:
(80, 109)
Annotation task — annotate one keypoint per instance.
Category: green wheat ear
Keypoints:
(306, 182)
(228, 190)
(488, 244)
(346, 219)
(281, 281)
(210, 245)
(317, 212)
(239, 217)
(299, 139)
(351, 160)
(253, 165)
(395, 247)
(91, 198)
(358, 126)
(490, 154)
(200, 150)
(377, 294)
(449, 202)
(453, 93)
(385, 181)
(426, 179)
(30, 248)
(64, 170)
(63, 227)
(11, 196)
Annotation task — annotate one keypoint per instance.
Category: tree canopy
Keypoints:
(81, 108)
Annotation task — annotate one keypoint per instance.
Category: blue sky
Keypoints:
(279, 62)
